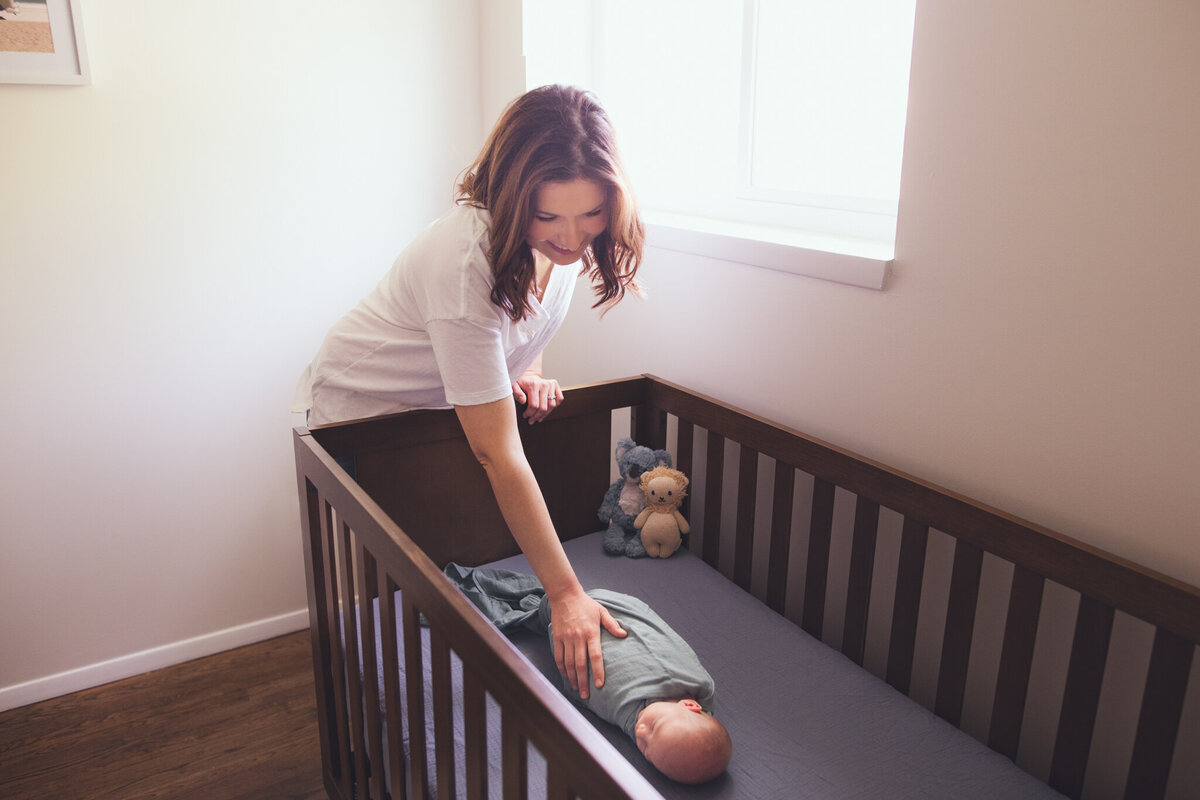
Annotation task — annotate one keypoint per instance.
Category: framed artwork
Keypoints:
(41, 41)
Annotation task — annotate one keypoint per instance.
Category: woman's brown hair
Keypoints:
(553, 134)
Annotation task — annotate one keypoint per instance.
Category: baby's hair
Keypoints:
(553, 134)
(703, 756)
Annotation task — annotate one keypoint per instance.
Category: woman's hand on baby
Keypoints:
(577, 621)
(539, 395)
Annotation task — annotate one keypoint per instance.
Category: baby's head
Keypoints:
(683, 742)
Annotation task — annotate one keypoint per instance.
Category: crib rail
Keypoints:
(355, 557)
(1105, 583)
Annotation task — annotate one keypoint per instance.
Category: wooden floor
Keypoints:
(241, 724)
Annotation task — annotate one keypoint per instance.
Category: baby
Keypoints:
(682, 741)
(655, 688)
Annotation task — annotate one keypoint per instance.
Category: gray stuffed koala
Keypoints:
(624, 500)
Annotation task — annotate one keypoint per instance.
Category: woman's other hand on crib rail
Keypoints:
(576, 620)
(539, 395)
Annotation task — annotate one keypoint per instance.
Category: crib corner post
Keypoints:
(313, 528)
(648, 426)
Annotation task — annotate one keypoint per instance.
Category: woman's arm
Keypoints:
(491, 429)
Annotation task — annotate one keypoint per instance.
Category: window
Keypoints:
(763, 131)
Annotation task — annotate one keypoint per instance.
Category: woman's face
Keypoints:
(566, 218)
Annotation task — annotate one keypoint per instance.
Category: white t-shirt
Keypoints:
(429, 336)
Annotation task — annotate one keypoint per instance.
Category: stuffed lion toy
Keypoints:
(661, 524)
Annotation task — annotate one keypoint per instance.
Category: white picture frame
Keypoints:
(67, 64)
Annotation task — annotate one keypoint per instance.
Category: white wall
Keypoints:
(502, 59)
(1037, 346)
(174, 242)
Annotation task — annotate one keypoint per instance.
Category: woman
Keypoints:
(464, 314)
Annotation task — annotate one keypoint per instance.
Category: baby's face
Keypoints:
(665, 726)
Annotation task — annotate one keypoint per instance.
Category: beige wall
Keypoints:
(174, 241)
(1038, 347)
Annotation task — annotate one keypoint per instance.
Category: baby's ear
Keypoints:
(662, 458)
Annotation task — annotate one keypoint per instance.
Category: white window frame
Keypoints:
(746, 189)
(856, 243)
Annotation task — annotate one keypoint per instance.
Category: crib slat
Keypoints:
(316, 571)
(391, 684)
(858, 590)
(819, 534)
(367, 584)
(353, 662)
(906, 606)
(743, 552)
(1158, 724)
(443, 713)
(683, 446)
(1016, 661)
(556, 783)
(683, 461)
(514, 758)
(414, 684)
(1085, 674)
(713, 480)
(474, 735)
(340, 760)
(960, 624)
(781, 536)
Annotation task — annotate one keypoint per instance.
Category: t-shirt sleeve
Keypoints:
(471, 360)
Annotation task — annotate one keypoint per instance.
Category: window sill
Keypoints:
(851, 262)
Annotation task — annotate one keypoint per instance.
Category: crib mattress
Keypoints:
(806, 722)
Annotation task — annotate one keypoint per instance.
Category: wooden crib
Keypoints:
(833, 541)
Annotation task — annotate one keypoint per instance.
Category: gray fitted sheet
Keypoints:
(806, 722)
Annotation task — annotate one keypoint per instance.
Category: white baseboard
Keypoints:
(22, 694)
